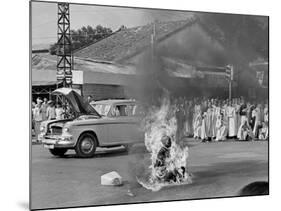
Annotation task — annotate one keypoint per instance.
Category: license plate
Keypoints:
(49, 146)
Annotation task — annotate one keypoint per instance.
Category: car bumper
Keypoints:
(52, 142)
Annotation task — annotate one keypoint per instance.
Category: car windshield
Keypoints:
(102, 109)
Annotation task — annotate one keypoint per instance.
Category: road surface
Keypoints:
(218, 169)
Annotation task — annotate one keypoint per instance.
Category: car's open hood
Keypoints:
(79, 105)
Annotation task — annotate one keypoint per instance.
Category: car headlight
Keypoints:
(42, 128)
(65, 130)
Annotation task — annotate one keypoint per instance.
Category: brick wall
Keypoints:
(102, 92)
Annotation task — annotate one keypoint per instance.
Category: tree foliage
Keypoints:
(84, 36)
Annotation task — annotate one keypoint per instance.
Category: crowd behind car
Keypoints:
(206, 119)
(218, 120)
(45, 110)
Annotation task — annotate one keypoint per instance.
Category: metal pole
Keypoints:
(153, 41)
(229, 89)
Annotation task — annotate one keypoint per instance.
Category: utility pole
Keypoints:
(229, 71)
(153, 63)
(64, 55)
(230, 89)
(153, 37)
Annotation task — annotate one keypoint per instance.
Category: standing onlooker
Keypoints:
(215, 112)
(44, 108)
(206, 123)
(258, 120)
(197, 120)
(186, 114)
(265, 113)
(237, 114)
(59, 112)
(33, 105)
(231, 120)
(224, 114)
(190, 118)
(197, 125)
(51, 111)
(251, 117)
(180, 116)
(243, 112)
(37, 114)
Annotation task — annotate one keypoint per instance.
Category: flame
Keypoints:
(161, 122)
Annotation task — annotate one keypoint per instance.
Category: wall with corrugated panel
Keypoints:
(102, 92)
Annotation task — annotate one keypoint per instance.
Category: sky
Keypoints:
(44, 18)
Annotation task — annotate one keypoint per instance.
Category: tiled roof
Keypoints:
(130, 41)
(48, 62)
(45, 61)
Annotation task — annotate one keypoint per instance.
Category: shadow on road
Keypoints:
(108, 152)
(214, 173)
(122, 151)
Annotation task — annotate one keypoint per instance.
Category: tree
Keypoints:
(53, 49)
(83, 37)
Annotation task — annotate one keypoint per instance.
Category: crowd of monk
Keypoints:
(218, 120)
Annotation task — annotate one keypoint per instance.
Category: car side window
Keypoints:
(123, 110)
(139, 110)
(130, 110)
(115, 112)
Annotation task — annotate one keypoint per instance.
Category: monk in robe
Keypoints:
(221, 129)
(245, 132)
(231, 120)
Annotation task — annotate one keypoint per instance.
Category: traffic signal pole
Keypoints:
(229, 89)
(229, 71)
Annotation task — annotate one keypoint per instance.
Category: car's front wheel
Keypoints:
(86, 145)
(58, 152)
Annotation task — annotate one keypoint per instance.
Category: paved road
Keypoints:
(219, 169)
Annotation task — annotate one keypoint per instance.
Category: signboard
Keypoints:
(64, 76)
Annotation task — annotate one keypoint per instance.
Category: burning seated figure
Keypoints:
(164, 166)
(168, 158)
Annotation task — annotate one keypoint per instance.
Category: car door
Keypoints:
(124, 126)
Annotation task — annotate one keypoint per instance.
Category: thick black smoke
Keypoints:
(191, 47)
(152, 79)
